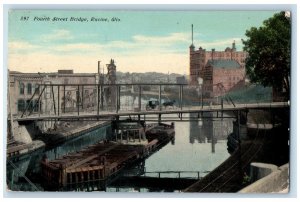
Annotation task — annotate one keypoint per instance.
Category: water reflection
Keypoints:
(208, 129)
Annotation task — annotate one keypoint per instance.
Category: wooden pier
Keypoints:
(104, 159)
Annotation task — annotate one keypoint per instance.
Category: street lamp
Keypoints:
(200, 83)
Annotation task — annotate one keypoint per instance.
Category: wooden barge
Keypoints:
(106, 158)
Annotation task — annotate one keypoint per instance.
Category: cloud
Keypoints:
(75, 47)
(159, 40)
(141, 53)
(58, 34)
(21, 45)
(137, 44)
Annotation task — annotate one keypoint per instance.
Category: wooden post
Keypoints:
(202, 96)
(139, 100)
(82, 96)
(53, 99)
(98, 100)
(58, 105)
(78, 93)
(179, 103)
(64, 98)
(117, 98)
(101, 93)
(159, 97)
(181, 97)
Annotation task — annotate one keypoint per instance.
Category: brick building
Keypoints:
(200, 57)
(221, 75)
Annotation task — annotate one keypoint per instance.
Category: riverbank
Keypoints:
(61, 132)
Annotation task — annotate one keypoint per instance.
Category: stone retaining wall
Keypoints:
(276, 181)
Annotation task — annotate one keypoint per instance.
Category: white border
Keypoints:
(160, 5)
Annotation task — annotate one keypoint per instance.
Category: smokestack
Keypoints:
(192, 34)
(99, 67)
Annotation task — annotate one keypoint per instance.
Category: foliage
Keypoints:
(269, 52)
(251, 94)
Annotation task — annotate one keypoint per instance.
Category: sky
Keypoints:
(138, 41)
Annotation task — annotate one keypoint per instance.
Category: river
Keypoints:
(198, 146)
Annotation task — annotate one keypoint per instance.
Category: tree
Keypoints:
(269, 53)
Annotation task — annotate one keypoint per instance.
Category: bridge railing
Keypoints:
(96, 99)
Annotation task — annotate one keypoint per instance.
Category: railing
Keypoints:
(61, 100)
(175, 174)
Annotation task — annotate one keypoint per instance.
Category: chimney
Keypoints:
(192, 34)
(192, 47)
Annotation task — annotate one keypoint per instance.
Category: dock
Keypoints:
(106, 158)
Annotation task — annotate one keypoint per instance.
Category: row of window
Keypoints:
(31, 106)
(29, 88)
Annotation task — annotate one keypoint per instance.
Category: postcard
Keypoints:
(148, 101)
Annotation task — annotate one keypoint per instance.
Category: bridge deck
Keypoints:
(192, 109)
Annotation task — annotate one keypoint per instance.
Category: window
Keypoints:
(36, 105)
(66, 81)
(29, 88)
(22, 87)
(37, 88)
(21, 105)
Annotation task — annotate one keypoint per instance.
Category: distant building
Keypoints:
(200, 57)
(181, 80)
(25, 90)
(21, 89)
(221, 76)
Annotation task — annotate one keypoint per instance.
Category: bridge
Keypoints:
(61, 102)
(106, 115)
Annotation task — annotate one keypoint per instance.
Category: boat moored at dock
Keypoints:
(104, 160)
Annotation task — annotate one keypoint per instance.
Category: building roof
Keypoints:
(226, 64)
